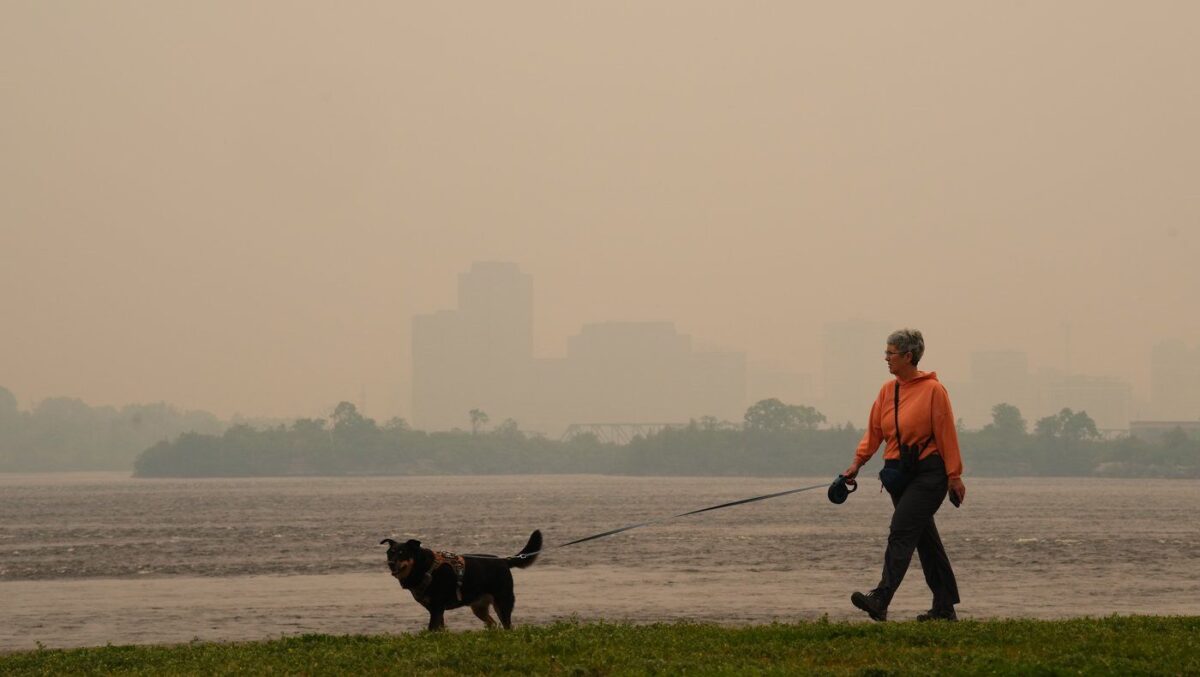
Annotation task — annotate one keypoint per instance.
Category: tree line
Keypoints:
(773, 438)
(64, 433)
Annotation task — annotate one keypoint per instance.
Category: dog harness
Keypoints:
(457, 563)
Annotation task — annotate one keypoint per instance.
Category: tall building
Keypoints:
(1106, 400)
(638, 372)
(996, 377)
(495, 301)
(852, 369)
(1175, 381)
(478, 356)
(768, 379)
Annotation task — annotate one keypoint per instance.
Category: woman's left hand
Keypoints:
(958, 489)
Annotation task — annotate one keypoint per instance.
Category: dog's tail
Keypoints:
(528, 553)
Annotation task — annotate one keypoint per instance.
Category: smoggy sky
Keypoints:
(239, 206)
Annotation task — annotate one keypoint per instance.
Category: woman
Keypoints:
(921, 463)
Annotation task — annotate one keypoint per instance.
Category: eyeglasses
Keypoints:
(888, 354)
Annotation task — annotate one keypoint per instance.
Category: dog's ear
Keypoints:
(388, 542)
(413, 543)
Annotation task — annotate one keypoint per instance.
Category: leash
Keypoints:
(660, 520)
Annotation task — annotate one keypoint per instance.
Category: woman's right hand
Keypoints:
(851, 472)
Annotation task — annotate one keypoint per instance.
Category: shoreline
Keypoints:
(173, 610)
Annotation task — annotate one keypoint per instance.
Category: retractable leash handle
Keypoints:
(841, 489)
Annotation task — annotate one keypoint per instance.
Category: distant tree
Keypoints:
(712, 423)
(508, 428)
(239, 433)
(11, 429)
(64, 410)
(1006, 421)
(308, 426)
(1050, 426)
(479, 419)
(345, 415)
(352, 432)
(1176, 438)
(8, 405)
(1068, 426)
(397, 424)
(772, 415)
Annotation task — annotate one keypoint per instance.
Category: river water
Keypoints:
(98, 558)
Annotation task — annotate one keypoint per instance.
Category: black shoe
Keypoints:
(871, 604)
(938, 615)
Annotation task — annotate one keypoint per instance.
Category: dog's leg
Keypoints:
(504, 609)
(436, 618)
(481, 612)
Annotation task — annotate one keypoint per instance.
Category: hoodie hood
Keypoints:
(921, 376)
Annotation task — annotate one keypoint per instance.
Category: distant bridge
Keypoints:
(616, 433)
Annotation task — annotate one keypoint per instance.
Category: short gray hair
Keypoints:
(908, 341)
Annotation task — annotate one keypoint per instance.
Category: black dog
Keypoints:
(443, 580)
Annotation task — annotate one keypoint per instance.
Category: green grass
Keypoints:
(1115, 645)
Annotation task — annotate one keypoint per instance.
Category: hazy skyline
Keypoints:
(240, 208)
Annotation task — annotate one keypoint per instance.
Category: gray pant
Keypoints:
(913, 528)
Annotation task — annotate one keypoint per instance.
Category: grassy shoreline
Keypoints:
(1114, 645)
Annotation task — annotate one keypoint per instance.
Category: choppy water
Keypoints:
(98, 558)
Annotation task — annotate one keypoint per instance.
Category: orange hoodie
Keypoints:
(924, 412)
